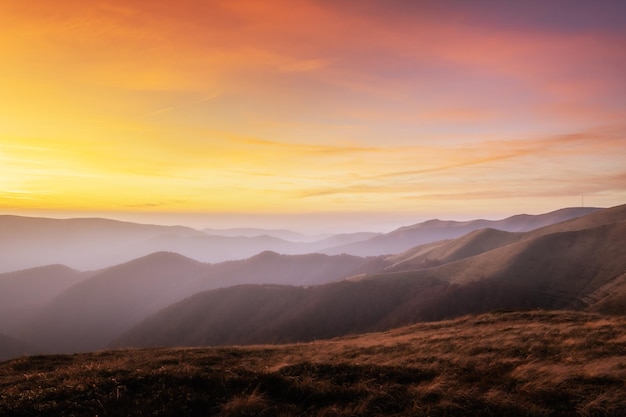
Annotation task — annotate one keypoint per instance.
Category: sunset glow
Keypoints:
(311, 106)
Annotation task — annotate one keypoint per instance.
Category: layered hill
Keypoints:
(217, 249)
(446, 251)
(568, 265)
(36, 285)
(23, 291)
(272, 268)
(407, 237)
(252, 314)
(578, 263)
(88, 315)
(483, 240)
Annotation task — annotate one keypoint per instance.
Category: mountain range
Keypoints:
(167, 299)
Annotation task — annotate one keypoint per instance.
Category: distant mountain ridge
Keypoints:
(407, 237)
(256, 232)
(91, 244)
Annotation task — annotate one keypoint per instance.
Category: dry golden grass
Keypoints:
(533, 363)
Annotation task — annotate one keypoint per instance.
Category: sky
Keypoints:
(339, 111)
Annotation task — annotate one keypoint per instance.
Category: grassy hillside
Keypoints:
(532, 363)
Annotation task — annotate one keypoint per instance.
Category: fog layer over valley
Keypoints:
(167, 299)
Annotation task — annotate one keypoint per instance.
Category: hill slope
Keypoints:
(526, 364)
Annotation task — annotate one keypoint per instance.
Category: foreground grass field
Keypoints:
(534, 363)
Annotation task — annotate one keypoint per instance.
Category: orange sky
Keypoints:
(311, 106)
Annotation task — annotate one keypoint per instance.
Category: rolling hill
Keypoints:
(90, 314)
(446, 251)
(36, 285)
(559, 266)
(21, 292)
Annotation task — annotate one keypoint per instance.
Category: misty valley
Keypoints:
(338, 313)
